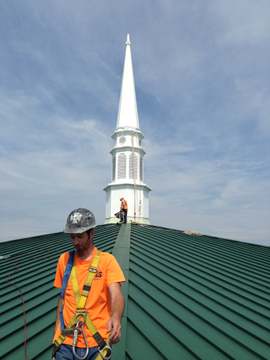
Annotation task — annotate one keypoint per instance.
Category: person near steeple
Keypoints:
(123, 210)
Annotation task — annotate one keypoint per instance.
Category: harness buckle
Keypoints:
(67, 331)
(108, 350)
(81, 313)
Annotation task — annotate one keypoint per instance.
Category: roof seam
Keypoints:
(205, 319)
(216, 284)
(229, 279)
(215, 300)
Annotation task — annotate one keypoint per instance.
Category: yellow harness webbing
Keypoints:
(81, 317)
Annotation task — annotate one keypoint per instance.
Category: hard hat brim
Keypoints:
(76, 229)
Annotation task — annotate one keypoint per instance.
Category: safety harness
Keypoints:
(81, 318)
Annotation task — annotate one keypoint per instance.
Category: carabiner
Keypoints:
(79, 330)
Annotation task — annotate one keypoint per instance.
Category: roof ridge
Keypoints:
(121, 252)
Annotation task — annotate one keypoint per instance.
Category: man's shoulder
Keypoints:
(66, 253)
(106, 257)
(105, 254)
(63, 258)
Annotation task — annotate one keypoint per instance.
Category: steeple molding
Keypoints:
(117, 149)
(127, 131)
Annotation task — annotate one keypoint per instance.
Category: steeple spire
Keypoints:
(127, 112)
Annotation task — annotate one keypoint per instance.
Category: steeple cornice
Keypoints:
(127, 131)
(127, 148)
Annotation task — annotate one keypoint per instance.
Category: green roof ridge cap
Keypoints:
(121, 252)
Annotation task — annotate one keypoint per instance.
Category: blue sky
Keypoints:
(203, 92)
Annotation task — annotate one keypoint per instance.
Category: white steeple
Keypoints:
(127, 112)
(127, 155)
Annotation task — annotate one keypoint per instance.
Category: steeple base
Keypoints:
(137, 197)
(130, 219)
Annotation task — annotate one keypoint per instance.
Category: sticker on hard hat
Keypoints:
(75, 218)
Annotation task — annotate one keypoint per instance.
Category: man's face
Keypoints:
(81, 241)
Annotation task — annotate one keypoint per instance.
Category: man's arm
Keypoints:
(117, 309)
(57, 314)
(57, 284)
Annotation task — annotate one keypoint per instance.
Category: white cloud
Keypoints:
(244, 21)
(59, 164)
(221, 197)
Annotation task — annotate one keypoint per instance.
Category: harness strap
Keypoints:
(82, 297)
(64, 285)
(81, 313)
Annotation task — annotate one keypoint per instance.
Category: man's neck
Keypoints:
(86, 253)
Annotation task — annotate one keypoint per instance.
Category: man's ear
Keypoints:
(92, 233)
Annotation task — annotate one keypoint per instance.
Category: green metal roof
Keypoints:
(188, 297)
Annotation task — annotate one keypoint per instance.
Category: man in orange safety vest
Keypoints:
(123, 210)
